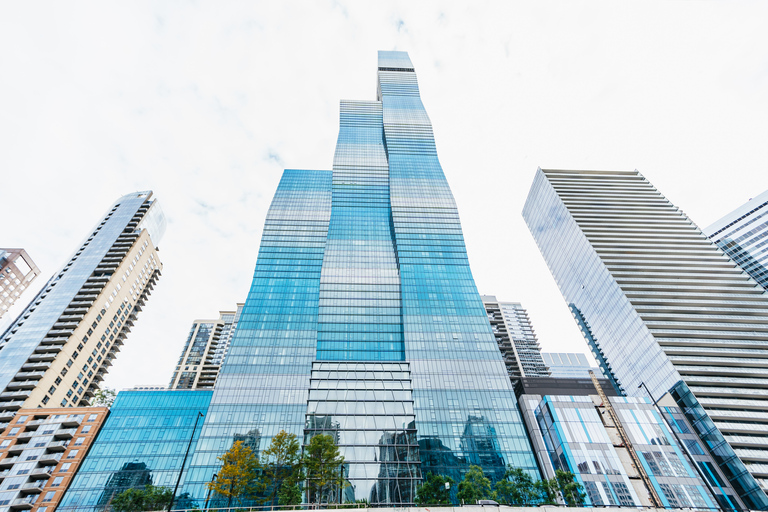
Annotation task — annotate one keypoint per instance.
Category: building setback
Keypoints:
(41, 451)
(58, 350)
(205, 349)
(666, 307)
(515, 337)
(567, 364)
(363, 320)
(17, 271)
(743, 235)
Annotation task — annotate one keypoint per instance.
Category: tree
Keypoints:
(103, 398)
(517, 488)
(237, 474)
(280, 467)
(570, 489)
(474, 487)
(433, 491)
(151, 497)
(323, 465)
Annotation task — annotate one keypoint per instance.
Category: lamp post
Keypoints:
(184, 462)
(208, 496)
(680, 442)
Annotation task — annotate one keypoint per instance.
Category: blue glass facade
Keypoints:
(363, 320)
(142, 442)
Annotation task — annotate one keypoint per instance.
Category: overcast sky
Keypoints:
(207, 102)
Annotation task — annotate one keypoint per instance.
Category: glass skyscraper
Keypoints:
(743, 235)
(664, 306)
(363, 320)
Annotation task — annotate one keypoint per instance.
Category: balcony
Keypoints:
(57, 446)
(72, 421)
(12, 405)
(38, 358)
(24, 503)
(18, 394)
(22, 384)
(29, 375)
(41, 473)
(8, 461)
(26, 435)
(65, 433)
(48, 459)
(33, 487)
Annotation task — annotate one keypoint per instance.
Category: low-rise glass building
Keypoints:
(142, 442)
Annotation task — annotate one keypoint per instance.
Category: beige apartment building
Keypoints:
(17, 271)
(60, 348)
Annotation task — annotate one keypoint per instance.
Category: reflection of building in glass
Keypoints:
(204, 351)
(145, 430)
(396, 453)
(131, 475)
(480, 447)
(56, 353)
(743, 235)
(665, 305)
(17, 271)
(594, 346)
(516, 339)
(577, 434)
(251, 439)
(365, 265)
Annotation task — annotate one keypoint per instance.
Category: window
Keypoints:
(57, 381)
(86, 428)
(22, 419)
(65, 467)
(64, 403)
(92, 417)
(52, 390)
(5, 444)
(49, 496)
(22, 472)
(72, 454)
(45, 399)
(79, 441)
(57, 481)
(31, 457)
(14, 431)
(14, 486)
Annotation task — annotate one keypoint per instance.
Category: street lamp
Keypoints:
(184, 462)
(208, 496)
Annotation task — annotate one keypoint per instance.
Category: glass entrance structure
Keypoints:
(363, 320)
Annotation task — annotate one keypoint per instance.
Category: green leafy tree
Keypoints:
(103, 397)
(151, 497)
(280, 466)
(433, 491)
(547, 491)
(570, 489)
(517, 488)
(237, 474)
(323, 465)
(474, 487)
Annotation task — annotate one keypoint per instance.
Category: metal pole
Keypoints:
(208, 497)
(184, 462)
(682, 445)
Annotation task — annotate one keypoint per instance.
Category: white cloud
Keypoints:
(205, 103)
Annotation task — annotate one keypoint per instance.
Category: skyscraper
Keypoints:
(17, 271)
(567, 365)
(204, 351)
(743, 235)
(667, 308)
(515, 337)
(363, 320)
(61, 346)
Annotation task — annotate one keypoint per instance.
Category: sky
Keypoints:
(205, 103)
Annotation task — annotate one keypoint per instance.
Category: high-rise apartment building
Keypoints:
(58, 350)
(515, 337)
(743, 235)
(363, 320)
(41, 450)
(17, 271)
(667, 308)
(204, 351)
